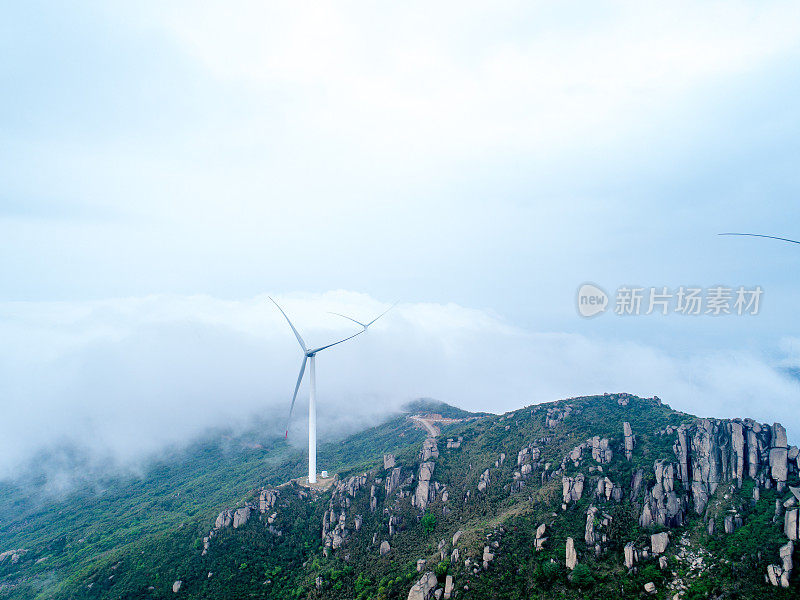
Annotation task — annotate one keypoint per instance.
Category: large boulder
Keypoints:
(627, 433)
(423, 589)
(572, 488)
(571, 555)
(659, 542)
(790, 524)
(631, 555)
(448, 587)
(241, 516)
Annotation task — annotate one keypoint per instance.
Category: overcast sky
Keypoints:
(476, 161)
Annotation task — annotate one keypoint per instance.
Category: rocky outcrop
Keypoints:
(384, 548)
(540, 539)
(448, 587)
(176, 587)
(629, 441)
(710, 452)
(557, 414)
(429, 450)
(571, 556)
(779, 575)
(224, 519)
(484, 481)
(659, 542)
(488, 557)
(423, 589)
(663, 506)
(572, 488)
(241, 516)
(606, 490)
(589, 534)
(454, 444)
(266, 500)
(388, 461)
(12, 556)
(601, 452)
(791, 524)
(392, 481)
(631, 555)
(422, 494)
(779, 456)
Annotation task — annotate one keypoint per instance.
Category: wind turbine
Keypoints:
(365, 325)
(309, 355)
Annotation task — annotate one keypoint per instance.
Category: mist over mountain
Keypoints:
(123, 380)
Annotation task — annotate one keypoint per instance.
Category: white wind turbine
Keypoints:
(309, 355)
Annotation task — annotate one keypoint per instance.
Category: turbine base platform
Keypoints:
(322, 484)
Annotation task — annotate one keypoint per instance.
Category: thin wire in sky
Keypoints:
(771, 237)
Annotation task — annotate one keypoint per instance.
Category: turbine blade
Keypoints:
(296, 334)
(294, 397)
(380, 315)
(315, 350)
(771, 237)
(348, 318)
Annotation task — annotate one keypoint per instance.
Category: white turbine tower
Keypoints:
(309, 355)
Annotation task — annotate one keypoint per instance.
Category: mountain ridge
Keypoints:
(582, 510)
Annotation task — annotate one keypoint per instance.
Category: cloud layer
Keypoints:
(128, 377)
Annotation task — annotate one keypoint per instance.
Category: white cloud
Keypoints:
(127, 377)
(466, 80)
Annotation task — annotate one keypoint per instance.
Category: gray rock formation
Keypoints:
(572, 488)
(627, 433)
(589, 533)
(448, 587)
(571, 555)
(790, 524)
(176, 587)
(388, 461)
(224, 519)
(422, 494)
(540, 539)
(659, 542)
(454, 444)
(778, 575)
(484, 481)
(600, 450)
(385, 548)
(392, 481)
(779, 456)
(429, 449)
(663, 506)
(423, 589)
(631, 555)
(267, 499)
(488, 557)
(241, 516)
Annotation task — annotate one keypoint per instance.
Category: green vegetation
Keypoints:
(137, 536)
